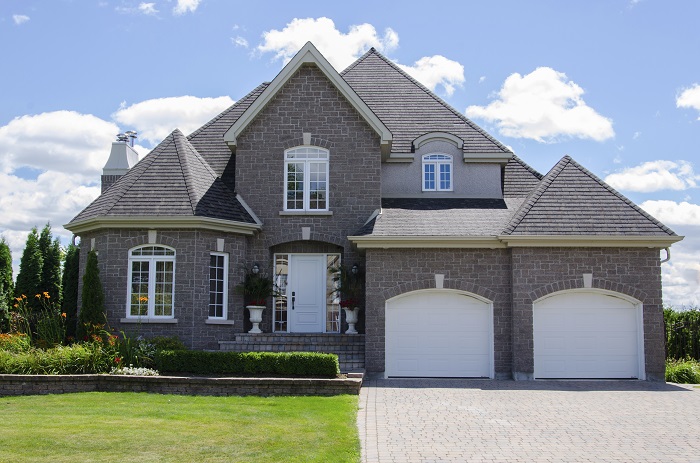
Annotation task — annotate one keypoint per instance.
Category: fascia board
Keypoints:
(307, 55)
(159, 222)
(588, 241)
(391, 242)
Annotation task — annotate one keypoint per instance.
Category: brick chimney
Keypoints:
(122, 158)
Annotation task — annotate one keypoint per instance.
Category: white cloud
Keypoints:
(436, 70)
(689, 98)
(655, 176)
(636, 135)
(543, 106)
(20, 18)
(186, 6)
(681, 275)
(673, 213)
(482, 78)
(341, 49)
(148, 8)
(155, 119)
(59, 141)
(239, 41)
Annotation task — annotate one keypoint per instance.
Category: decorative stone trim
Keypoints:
(577, 283)
(315, 141)
(448, 283)
(17, 385)
(294, 235)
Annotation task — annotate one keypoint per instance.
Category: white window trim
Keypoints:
(307, 179)
(437, 163)
(225, 295)
(150, 316)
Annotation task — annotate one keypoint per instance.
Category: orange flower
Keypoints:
(46, 295)
(63, 315)
(38, 296)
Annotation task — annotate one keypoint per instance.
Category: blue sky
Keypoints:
(614, 83)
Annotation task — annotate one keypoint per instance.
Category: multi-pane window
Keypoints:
(306, 179)
(437, 172)
(151, 282)
(218, 283)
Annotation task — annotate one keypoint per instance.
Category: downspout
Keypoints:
(668, 255)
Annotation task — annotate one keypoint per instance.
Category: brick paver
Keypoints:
(431, 421)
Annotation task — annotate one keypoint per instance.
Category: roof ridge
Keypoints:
(227, 110)
(621, 196)
(464, 118)
(183, 150)
(535, 195)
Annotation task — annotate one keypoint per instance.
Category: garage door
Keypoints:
(587, 335)
(439, 333)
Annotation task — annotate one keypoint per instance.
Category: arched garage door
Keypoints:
(439, 333)
(588, 334)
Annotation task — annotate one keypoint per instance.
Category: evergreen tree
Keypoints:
(29, 276)
(92, 309)
(6, 286)
(69, 305)
(51, 268)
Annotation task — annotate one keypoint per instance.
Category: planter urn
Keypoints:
(256, 312)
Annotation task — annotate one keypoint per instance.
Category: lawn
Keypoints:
(108, 427)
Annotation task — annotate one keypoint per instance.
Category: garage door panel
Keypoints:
(438, 334)
(586, 335)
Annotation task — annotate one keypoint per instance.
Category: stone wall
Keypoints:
(16, 385)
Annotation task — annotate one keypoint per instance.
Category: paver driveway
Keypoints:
(528, 421)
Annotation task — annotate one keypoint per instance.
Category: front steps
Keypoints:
(350, 348)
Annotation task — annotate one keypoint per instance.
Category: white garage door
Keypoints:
(439, 333)
(587, 335)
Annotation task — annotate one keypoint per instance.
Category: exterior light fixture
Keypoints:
(256, 269)
(355, 269)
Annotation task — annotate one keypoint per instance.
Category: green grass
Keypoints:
(108, 427)
(683, 371)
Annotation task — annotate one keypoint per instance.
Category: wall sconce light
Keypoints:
(355, 269)
(256, 269)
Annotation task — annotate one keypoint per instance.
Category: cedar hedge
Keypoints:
(682, 334)
(248, 363)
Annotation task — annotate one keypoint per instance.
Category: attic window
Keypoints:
(437, 172)
(306, 179)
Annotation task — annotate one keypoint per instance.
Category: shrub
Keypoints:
(249, 363)
(682, 333)
(61, 360)
(92, 310)
(685, 371)
(15, 343)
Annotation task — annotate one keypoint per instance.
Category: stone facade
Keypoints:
(191, 310)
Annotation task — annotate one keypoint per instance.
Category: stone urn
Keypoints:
(351, 317)
(256, 312)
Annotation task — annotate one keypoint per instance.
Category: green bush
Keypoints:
(682, 333)
(15, 343)
(61, 360)
(683, 371)
(249, 363)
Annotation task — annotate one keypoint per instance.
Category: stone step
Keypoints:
(350, 349)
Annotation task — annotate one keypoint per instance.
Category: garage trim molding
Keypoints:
(638, 306)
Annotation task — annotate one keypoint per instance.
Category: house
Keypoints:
(475, 264)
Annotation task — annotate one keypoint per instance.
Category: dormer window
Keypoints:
(306, 179)
(437, 172)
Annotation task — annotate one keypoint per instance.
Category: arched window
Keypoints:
(151, 290)
(306, 179)
(437, 172)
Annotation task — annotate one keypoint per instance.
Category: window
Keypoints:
(151, 282)
(437, 172)
(218, 285)
(306, 174)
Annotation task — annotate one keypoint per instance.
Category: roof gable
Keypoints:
(570, 200)
(308, 55)
(410, 110)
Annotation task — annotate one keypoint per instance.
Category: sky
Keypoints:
(615, 84)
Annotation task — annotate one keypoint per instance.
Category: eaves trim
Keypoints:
(589, 241)
(401, 242)
(159, 222)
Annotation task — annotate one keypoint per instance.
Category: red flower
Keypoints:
(117, 360)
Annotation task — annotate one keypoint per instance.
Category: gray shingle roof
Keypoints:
(409, 109)
(172, 180)
(466, 217)
(209, 139)
(519, 178)
(570, 200)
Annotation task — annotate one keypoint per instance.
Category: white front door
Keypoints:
(306, 293)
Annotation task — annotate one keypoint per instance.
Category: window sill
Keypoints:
(307, 213)
(218, 321)
(149, 321)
